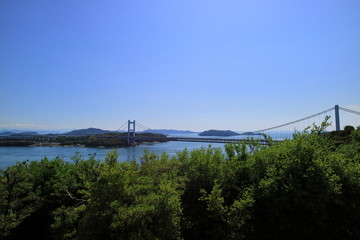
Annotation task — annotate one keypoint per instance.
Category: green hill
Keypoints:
(86, 132)
(219, 133)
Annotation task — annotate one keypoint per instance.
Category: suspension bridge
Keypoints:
(278, 133)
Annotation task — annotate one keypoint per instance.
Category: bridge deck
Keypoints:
(193, 139)
(148, 139)
(211, 140)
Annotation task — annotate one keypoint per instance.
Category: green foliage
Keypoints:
(223, 133)
(111, 140)
(308, 187)
(4, 142)
(16, 197)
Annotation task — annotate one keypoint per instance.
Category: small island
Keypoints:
(251, 133)
(218, 133)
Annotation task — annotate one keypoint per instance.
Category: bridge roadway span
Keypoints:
(193, 139)
(149, 139)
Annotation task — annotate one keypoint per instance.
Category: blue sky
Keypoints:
(197, 65)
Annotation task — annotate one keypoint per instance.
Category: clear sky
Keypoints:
(176, 64)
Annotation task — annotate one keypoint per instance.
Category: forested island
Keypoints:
(251, 133)
(225, 133)
(169, 131)
(304, 188)
(219, 133)
(88, 138)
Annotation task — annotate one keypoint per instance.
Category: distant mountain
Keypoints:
(17, 133)
(6, 133)
(52, 131)
(251, 133)
(86, 132)
(25, 134)
(168, 131)
(13, 130)
(219, 133)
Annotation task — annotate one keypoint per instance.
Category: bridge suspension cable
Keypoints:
(123, 127)
(142, 126)
(349, 110)
(302, 119)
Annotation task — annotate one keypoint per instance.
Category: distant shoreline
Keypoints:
(76, 145)
(59, 145)
(108, 140)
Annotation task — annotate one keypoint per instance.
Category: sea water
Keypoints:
(10, 155)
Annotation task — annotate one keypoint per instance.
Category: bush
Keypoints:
(308, 187)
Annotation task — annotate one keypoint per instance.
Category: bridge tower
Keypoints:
(131, 132)
(337, 118)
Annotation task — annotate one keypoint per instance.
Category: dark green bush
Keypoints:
(308, 187)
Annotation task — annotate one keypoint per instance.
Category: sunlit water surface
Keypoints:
(9, 155)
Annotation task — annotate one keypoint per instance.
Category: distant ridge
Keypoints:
(25, 134)
(219, 133)
(169, 131)
(87, 132)
(91, 131)
(18, 133)
(6, 133)
(251, 133)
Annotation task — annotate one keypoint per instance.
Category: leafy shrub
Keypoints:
(307, 187)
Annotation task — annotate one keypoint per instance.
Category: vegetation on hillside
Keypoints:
(86, 132)
(219, 133)
(305, 188)
(7, 142)
(111, 140)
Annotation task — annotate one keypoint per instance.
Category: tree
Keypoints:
(307, 187)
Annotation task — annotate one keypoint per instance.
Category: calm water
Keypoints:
(9, 155)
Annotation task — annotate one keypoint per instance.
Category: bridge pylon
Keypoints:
(337, 118)
(131, 132)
